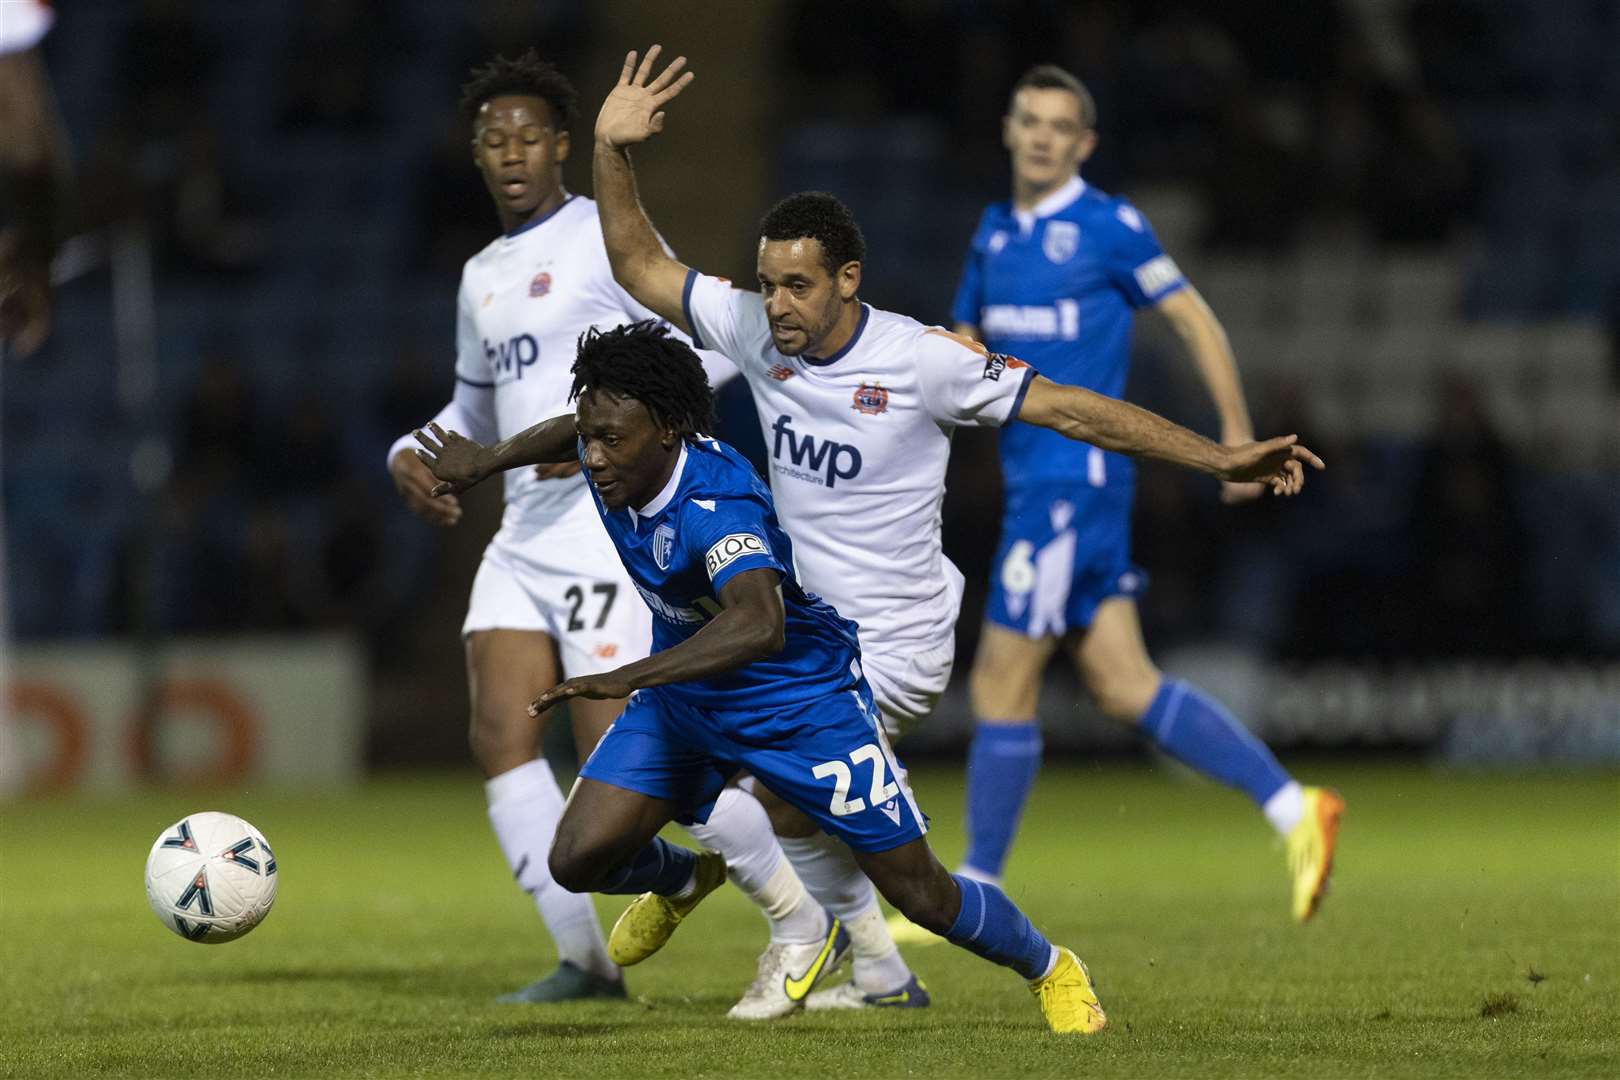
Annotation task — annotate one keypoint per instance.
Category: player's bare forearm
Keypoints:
(1116, 425)
(460, 463)
(639, 261)
(634, 112)
(732, 639)
(1211, 352)
(751, 625)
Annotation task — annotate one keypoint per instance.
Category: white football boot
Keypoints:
(787, 974)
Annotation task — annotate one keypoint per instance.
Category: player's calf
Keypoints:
(915, 882)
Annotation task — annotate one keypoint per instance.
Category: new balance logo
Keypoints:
(780, 372)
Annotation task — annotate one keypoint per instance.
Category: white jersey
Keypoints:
(524, 301)
(858, 443)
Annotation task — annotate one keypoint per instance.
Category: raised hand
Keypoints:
(634, 111)
(1278, 464)
(607, 685)
(455, 460)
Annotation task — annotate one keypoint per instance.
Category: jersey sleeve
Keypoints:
(729, 539)
(970, 286)
(965, 385)
(724, 319)
(1136, 264)
(472, 364)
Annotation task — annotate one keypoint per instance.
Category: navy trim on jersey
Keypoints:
(686, 308)
(475, 382)
(1018, 402)
(521, 229)
(848, 345)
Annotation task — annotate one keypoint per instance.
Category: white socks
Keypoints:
(525, 805)
(1286, 807)
(739, 829)
(828, 870)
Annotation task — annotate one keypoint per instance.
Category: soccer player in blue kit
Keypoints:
(748, 671)
(1054, 277)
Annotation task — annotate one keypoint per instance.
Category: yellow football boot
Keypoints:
(650, 920)
(1068, 1000)
(1310, 849)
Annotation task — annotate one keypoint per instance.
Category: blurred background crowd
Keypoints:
(1406, 214)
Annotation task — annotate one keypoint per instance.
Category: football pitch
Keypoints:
(1473, 930)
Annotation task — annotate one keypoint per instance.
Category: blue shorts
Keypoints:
(829, 758)
(1064, 550)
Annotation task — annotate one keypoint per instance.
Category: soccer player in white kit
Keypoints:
(551, 594)
(857, 406)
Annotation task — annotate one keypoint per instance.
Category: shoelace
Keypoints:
(765, 976)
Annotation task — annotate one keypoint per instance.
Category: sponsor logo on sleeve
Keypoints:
(1129, 218)
(996, 363)
(1157, 275)
(731, 548)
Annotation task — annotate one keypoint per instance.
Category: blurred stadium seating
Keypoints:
(1409, 222)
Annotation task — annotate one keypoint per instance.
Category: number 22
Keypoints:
(882, 789)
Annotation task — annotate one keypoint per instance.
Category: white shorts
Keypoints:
(565, 582)
(907, 685)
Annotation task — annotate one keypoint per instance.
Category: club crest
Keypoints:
(870, 400)
(1060, 240)
(663, 543)
(540, 285)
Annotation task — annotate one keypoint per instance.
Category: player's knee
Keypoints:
(1124, 697)
(572, 866)
(1001, 692)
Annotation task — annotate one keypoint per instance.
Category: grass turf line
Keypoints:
(397, 924)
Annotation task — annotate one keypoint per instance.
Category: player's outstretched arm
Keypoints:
(458, 462)
(1122, 427)
(633, 113)
(752, 625)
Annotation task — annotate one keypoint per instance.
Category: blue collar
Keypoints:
(541, 220)
(848, 345)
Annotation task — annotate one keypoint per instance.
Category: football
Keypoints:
(211, 877)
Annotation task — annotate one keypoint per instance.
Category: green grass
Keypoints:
(397, 924)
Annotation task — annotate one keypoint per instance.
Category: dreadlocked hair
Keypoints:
(643, 362)
(528, 74)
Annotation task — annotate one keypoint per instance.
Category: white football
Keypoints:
(211, 877)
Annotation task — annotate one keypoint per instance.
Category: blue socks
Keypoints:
(1197, 732)
(1002, 763)
(991, 926)
(660, 867)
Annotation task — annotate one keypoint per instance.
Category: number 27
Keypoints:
(882, 789)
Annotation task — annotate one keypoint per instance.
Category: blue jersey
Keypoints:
(714, 520)
(1058, 287)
